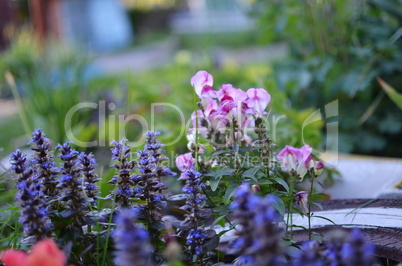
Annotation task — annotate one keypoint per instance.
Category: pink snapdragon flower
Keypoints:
(227, 92)
(234, 101)
(202, 82)
(185, 162)
(293, 159)
(258, 99)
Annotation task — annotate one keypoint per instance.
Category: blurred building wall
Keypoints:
(212, 16)
(100, 25)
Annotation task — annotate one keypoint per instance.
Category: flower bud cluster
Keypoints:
(149, 184)
(34, 209)
(90, 178)
(43, 163)
(124, 193)
(71, 185)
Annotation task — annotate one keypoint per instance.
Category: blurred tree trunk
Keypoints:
(5, 19)
(44, 17)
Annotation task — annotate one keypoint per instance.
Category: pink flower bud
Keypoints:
(255, 188)
(293, 160)
(316, 167)
(302, 200)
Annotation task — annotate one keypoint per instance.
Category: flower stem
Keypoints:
(309, 207)
(289, 222)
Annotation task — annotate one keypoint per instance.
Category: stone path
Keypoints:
(7, 108)
(162, 53)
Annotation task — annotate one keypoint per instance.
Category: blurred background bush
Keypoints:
(338, 48)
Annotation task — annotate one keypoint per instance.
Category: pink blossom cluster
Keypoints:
(299, 161)
(226, 108)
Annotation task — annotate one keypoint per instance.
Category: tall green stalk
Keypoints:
(309, 214)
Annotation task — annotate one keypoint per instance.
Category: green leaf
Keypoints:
(279, 206)
(220, 209)
(251, 173)
(10, 237)
(220, 152)
(210, 173)
(299, 226)
(389, 7)
(225, 171)
(319, 196)
(217, 176)
(212, 243)
(264, 182)
(11, 209)
(283, 183)
(392, 93)
(317, 237)
(219, 219)
(225, 231)
(325, 218)
(318, 205)
(229, 192)
(215, 183)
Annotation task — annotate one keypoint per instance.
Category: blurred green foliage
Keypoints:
(338, 48)
(47, 81)
(207, 41)
(9, 139)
